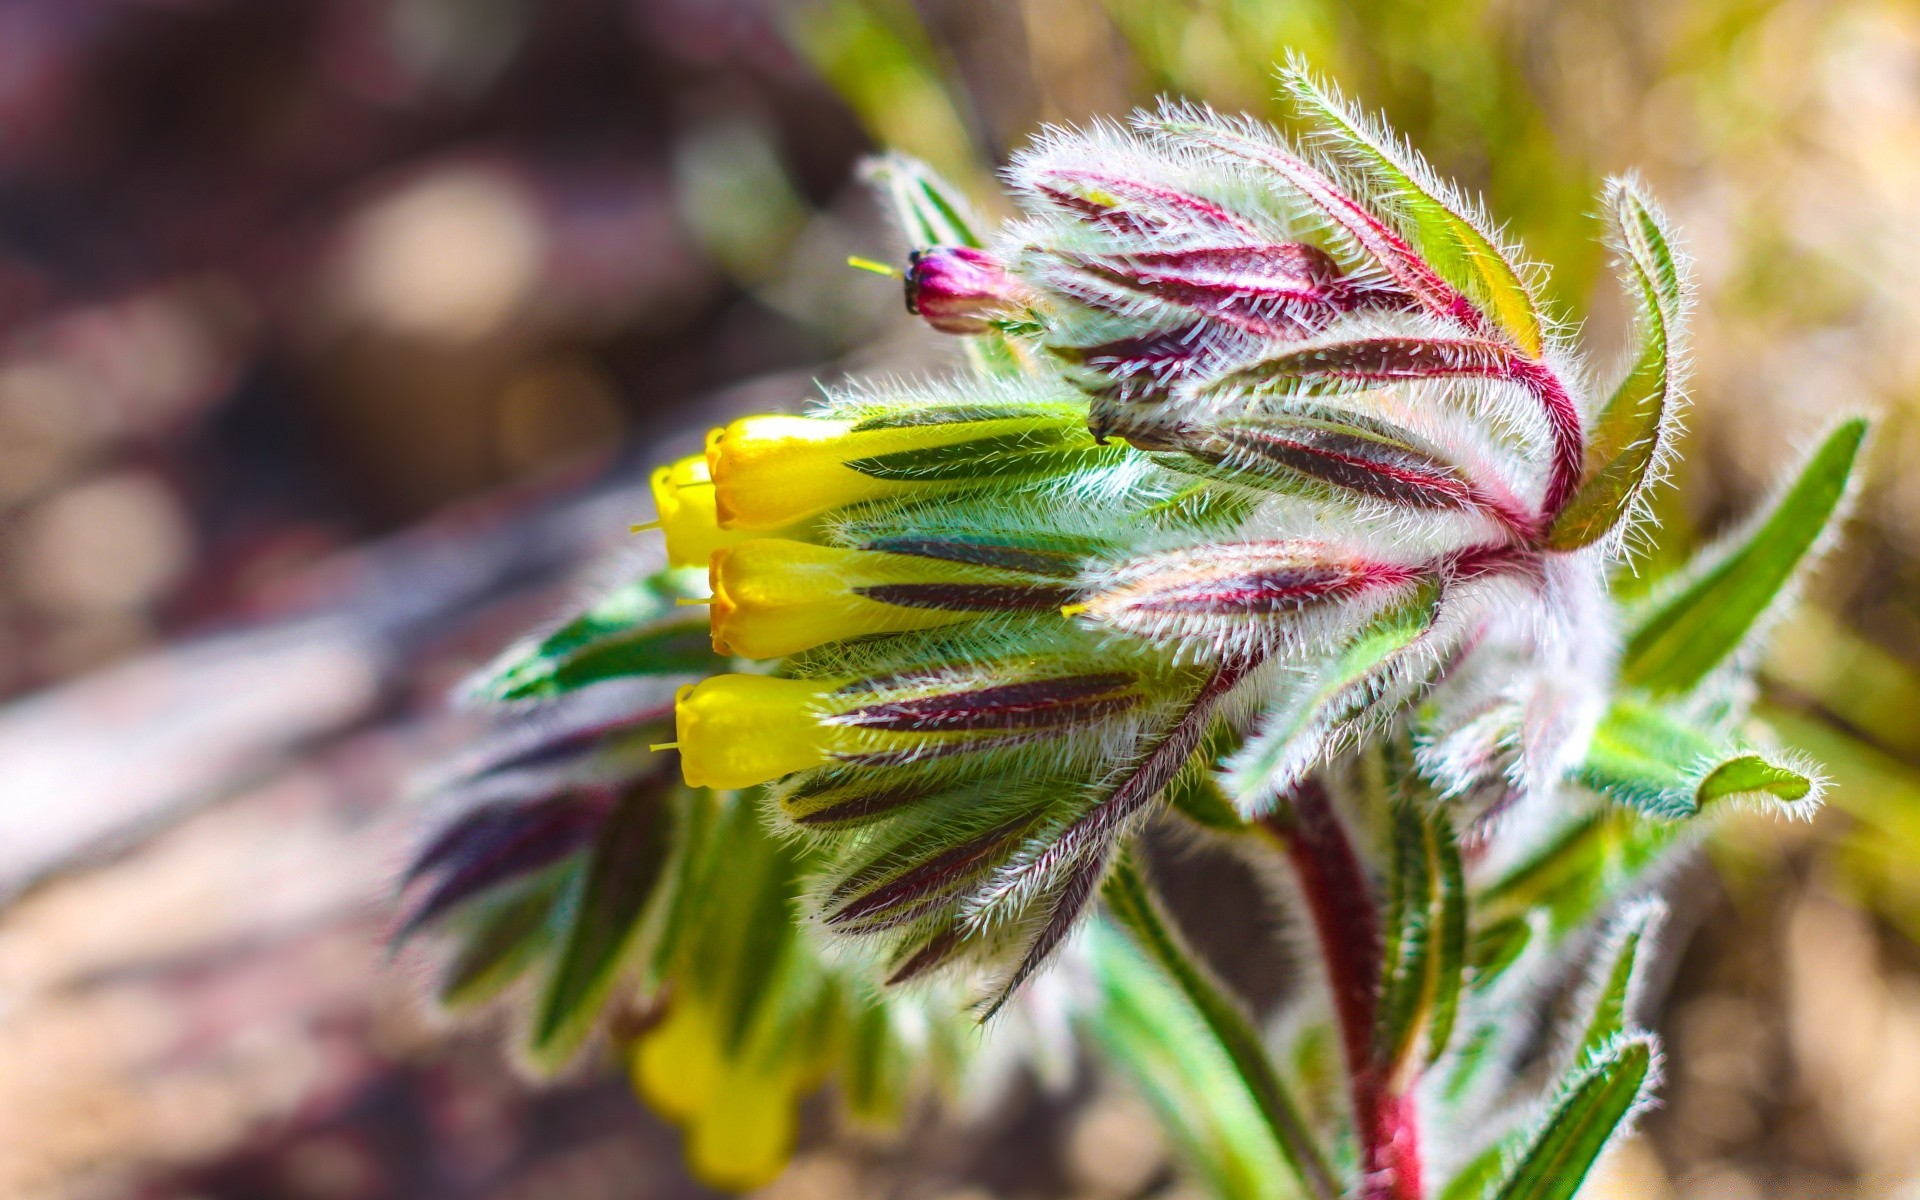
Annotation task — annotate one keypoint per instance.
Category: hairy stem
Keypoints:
(1346, 920)
(1131, 900)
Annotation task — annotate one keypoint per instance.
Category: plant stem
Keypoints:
(1346, 920)
(1131, 900)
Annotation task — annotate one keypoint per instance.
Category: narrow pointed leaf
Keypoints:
(1064, 907)
(527, 840)
(1495, 947)
(1652, 760)
(1130, 897)
(508, 939)
(1473, 1180)
(1578, 871)
(1685, 636)
(1450, 936)
(624, 874)
(1619, 969)
(636, 630)
(1638, 423)
(1407, 955)
(1162, 1046)
(929, 210)
(1442, 229)
(1593, 1107)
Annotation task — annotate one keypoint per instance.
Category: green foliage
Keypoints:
(1684, 636)
(1133, 905)
(1337, 702)
(1595, 1103)
(637, 629)
(1152, 1031)
(1635, 430)
(1653, 760)
(625, 871)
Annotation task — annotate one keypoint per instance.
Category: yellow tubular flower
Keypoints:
(773, 597)
(684, 498)
(740, 1122)
(773, 471)
(738, 730)
(745, 1139)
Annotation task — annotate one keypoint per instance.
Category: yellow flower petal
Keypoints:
(677, 1067)
(773, 471)
(745, 1137)
(683, 495)
(773, 597)
(738, 730)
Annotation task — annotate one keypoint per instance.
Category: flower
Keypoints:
(683, 496)
(769, 472)
(1343, 569)
(734, 731)
(773, 597)
(958, 289)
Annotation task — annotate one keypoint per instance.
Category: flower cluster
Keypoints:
(1257, 426)
(1275, 504)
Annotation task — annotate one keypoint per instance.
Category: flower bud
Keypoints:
(683, 496)
(957, 289)
(735, 731)
(1228, 594)
(1130, 206)
(1280, 289)
(773, 597)
(771, 472)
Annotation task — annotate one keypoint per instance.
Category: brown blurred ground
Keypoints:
(278, 281)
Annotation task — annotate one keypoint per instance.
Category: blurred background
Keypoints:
(336, 337)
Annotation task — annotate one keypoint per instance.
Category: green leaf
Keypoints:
(629, 862)
(1652, 760)
(1494, 948)
(505, 939)
(1131, 900)
(1406, 957)
(1619, 968)
(1339, 696)
(1637, 425)
(1450, 942)
(1584, 865)
(1440, 227)
(1594, 1105)
(1685, 636)
(1424, 954)
(635, 630)
(1481, 1172)
(929, 210)
(1147, 1028)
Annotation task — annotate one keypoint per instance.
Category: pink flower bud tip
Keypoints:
(957, 289)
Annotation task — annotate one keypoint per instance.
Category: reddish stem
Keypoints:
(1344, 916)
